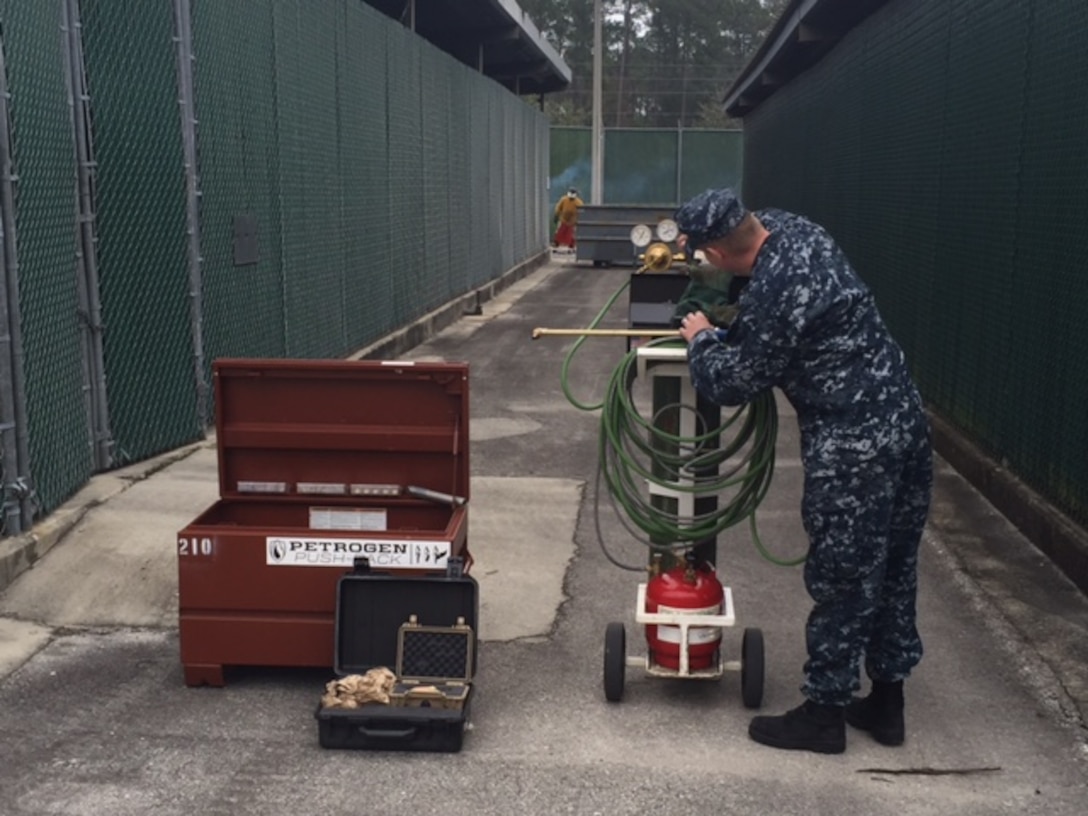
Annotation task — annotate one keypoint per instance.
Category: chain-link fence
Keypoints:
(191, 179)
(941, 143)
(45, 411)
(141, 225)
(646, 166)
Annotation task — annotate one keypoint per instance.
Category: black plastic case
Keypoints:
(371, 609)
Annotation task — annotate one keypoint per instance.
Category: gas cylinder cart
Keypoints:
(677, 475)
(686, 608)
(684, 641)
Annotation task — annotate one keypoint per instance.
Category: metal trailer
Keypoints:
(604, 231)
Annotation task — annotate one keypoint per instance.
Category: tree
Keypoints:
(568, 26)
(665, 62)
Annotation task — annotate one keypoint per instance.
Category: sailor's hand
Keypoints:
(692, 323)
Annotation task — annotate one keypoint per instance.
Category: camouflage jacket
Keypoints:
(808, 325)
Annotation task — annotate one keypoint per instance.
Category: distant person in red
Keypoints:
(566, 216)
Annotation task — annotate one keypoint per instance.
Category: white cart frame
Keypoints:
(661, 361)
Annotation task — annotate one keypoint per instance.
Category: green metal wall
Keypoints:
(941, 143)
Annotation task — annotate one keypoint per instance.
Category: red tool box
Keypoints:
(322, 463)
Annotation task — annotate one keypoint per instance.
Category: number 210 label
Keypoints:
(195, 547)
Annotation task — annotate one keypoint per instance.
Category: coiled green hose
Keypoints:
(734, 462)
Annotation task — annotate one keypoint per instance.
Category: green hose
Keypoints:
(734, 462)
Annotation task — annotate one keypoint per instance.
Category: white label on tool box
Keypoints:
(262, 487)
(298, 551)
(338, 518)
(327, 488)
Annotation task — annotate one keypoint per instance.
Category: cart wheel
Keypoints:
(615, 661)
(751, 668)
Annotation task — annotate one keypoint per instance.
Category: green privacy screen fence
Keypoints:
(39, 247)
(192, 179)
(382, 177)
(648, 166)
(942, 142)
(141, 225)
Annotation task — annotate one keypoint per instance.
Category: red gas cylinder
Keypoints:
(692, 591)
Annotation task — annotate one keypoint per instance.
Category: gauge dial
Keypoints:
(641, 235)
(667, 230)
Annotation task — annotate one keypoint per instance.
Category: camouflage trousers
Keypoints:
(864, 525)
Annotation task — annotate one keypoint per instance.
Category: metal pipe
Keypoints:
(597, 149)
(87, 286)
(9, 520)
(83, 309)
(436, 496)
(680, 161)
(187, 106)
(537, 333)
(19, 514)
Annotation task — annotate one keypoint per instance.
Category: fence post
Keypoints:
(16, 487)
(680, 162)
(87, 284)
(187, 104)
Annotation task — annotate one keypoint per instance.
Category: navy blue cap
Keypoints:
(711, 215)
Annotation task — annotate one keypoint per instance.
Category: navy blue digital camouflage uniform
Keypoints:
(809, 326)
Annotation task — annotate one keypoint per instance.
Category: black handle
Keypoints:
(387, 734)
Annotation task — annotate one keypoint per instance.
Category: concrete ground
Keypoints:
(95, 718)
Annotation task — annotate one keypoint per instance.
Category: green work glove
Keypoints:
(707, 292)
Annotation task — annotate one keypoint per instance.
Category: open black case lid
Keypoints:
(372, 607)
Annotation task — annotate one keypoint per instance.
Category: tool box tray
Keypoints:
(425, 627)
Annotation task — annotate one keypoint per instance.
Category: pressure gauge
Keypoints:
(667, 230)
(641, 235)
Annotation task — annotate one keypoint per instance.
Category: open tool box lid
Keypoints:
(372, 608)
(341, 428)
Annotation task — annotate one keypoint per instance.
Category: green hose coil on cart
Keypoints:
(734, 461)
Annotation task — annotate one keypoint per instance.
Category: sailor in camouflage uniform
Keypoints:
(808, 325)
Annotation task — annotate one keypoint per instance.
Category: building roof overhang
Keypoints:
(802, 35)
(494, 37)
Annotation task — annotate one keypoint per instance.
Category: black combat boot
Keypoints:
(881, 713)
(809, 727)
